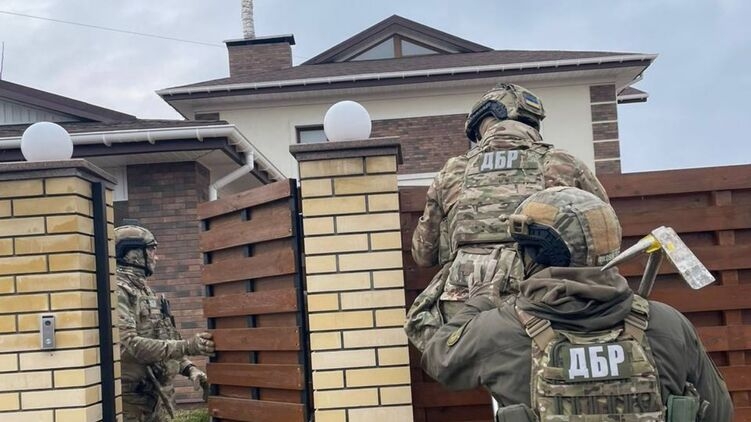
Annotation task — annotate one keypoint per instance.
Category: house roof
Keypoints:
(632, 95)
(462, 59)
(395, 25)
(58, 103)
(437, 61)
(7, 131)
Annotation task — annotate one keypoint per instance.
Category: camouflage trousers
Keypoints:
(481, 270)
(140, 405)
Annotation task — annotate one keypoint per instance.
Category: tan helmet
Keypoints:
(567, 226)
(130, 237)
(505, 102)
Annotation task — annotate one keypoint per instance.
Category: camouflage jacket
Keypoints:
(147, 335)
(559, 168)
(486, 345)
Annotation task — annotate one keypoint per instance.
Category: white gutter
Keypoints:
(154, 135)
(410, 73)
(232, 176)
(633, 97)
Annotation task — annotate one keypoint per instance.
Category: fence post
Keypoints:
(355, 283)
(56, 223)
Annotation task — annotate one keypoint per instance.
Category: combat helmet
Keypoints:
(505, 102)
(566, 226)
(130, 237)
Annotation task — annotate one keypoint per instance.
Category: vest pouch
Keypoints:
(682, 408)
(471, 267)
(515, 413)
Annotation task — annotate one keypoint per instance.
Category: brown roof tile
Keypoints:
(436, 61)
(137, 124)
(65, 105)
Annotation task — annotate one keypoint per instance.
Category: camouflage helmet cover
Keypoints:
(587, 227)
(505, 102)
(132, 237)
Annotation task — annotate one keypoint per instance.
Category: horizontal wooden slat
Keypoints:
(715, 258)
(256, 339)
(248, 232)
(737, 378)
(286, 377)
(255, 410)
(726, 338)
(476, 413)
(279, 262)
(710, 298)
(687, 220)
(256, 303)
(677, 181)
(742, 414)
(432, 394)
(246, 199)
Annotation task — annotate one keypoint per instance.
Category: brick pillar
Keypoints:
(48, 266)
(604, 108)
(355, 284)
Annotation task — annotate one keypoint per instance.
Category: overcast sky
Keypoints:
(696, 116)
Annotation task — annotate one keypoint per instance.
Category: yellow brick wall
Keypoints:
(47, 267)
(355, 285)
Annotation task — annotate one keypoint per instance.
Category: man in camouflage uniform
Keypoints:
(152, 351)
(576, 343)
(463, 227)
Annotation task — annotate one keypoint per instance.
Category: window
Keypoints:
(394, 47)
(310, 134)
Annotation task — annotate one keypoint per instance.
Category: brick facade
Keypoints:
(48, 266)
(355, 283)
(246, 58)
(164, 198)
(607, 148)
(426, 142)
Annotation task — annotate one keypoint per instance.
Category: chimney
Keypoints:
(257, 55)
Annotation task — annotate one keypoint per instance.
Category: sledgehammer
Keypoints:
(663, 241)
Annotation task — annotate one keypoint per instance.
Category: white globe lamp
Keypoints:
(46, 141)
(346, 121)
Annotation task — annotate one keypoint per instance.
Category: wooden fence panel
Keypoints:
(711, 211)
(255, 306)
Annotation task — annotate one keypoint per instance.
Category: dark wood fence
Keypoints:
(709, 208)
(255, 306)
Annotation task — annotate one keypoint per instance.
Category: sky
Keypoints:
(697, 114)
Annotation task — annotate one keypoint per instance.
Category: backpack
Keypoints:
(606, 376)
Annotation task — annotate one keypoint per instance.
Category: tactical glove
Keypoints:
(199, 344)
(197, 377)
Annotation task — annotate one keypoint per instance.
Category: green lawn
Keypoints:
(197, 415)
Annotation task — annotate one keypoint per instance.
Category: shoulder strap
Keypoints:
(538, 329)
(638, 319)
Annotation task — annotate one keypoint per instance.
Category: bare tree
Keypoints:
(249, 30)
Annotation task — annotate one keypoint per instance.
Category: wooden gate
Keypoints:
(431, 402)
(255, 306)
(709, 208)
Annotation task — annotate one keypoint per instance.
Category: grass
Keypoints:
(197, 415)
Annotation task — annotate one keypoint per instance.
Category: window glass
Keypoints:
(384, 50)
(412, 49)
(310, 135)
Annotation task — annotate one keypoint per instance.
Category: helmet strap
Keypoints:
(147, 271)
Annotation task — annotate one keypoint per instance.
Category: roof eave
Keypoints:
(644, 59)
(152, 136)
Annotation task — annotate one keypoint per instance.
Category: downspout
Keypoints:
(231, 177)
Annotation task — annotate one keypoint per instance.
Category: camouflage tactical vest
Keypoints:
(495, 183)
(607, 376)
(154, 320)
